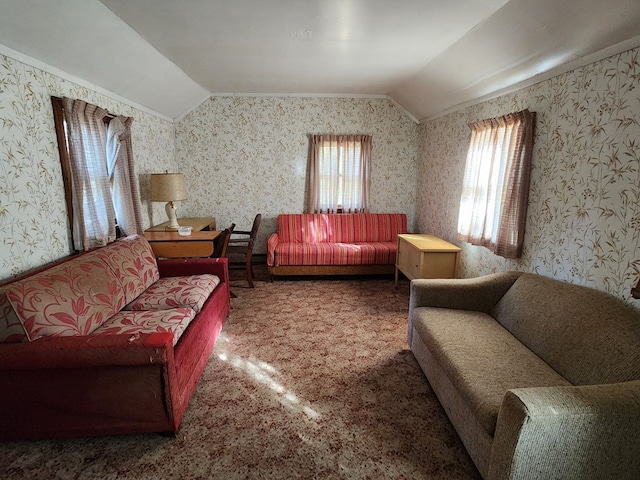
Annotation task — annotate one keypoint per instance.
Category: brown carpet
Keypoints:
(310, 379)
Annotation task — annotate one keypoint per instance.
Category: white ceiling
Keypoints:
(427, 55)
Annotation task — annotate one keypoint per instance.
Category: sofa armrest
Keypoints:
(176, 267)
(568, 432)
(478, 294)
(87, 351)
(272, 243)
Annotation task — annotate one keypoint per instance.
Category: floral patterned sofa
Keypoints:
(110, 341)
(330, 244)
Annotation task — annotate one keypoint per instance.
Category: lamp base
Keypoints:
(171, 208)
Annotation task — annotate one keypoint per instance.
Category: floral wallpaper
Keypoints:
(247, 155)
(33, 218)
(583, 222)
(244, 155)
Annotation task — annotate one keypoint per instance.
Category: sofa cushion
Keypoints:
(173, 321)
(341, 228)
(481, 358)
(175, 292)
(11, 330)
(586, 335)
(72, 298)
(134, 263)
(301, 228)
(378, 227)
(369, 253)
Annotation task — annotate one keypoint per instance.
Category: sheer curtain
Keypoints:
(94, 216)
(338, 177)
(124, 185)
(495, 191)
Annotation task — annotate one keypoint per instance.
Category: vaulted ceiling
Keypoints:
(427, 55)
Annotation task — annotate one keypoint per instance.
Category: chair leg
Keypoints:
(249, 271)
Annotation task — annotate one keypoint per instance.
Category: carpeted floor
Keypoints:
(310, 379)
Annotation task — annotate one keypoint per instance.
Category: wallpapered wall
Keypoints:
(247, 155)
(33, 219)
(243, 155)
(583, 222)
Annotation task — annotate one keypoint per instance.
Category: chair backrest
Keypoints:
(223, 242)
(254, 230)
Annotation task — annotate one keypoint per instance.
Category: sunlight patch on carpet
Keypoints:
(263, 373)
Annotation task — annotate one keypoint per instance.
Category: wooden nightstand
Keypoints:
(426, 256)
(169, 244)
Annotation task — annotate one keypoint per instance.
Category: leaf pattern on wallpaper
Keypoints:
(25, 144)
(244, 155)
(241, 155)
(583, 221)
(33, 219)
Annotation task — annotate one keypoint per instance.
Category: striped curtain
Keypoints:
(495, 191)
(122, 176)
(338, 176)
(93, 213)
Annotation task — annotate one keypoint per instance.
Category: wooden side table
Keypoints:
(169, 244)
(425, 256)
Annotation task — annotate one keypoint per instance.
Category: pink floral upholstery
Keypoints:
(152, 321)
(125, 376)
(174, 292)
(134, 263)
(73, 298)
(11, 329)
(78, 296)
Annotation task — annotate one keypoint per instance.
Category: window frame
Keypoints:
(65, 162)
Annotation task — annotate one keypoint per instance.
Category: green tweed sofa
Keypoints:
(540, 378)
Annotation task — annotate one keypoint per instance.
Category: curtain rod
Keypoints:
(108, 116)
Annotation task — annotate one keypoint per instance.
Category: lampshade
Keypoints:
(167, 187)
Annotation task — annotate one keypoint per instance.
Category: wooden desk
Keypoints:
(168, 244)
(426, 256)
(173, 245)
(197, 224)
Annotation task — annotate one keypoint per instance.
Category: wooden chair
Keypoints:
(240, 249)
(222, 242)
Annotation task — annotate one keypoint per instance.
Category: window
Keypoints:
(495, 189)
(97, 165)
(338, 179)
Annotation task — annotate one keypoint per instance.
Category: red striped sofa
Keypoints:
(335, 244)
(110, 341)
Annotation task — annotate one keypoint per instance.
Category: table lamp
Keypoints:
(168, 187)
